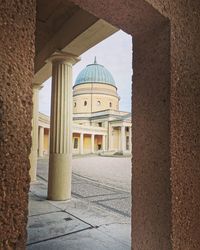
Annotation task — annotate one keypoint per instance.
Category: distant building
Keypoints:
(98, 125)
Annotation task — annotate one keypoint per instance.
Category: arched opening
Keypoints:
(166, 120)
(148, 119)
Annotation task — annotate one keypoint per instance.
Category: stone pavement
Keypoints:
(97, 216)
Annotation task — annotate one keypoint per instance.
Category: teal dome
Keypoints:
(95, 73)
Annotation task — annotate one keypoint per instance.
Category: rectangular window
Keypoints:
(75, 143)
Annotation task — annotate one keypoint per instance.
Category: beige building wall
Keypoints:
(87, 144)
(94, 97)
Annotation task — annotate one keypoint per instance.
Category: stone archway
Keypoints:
(166, 117)
(160, 116)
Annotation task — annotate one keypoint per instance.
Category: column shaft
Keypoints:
(59, 182)
(110, 129)
(103, 142)
(81, 143)
(41, 142)
(123, 138)
(130, 139)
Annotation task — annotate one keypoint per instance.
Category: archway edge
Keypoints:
(136, 17)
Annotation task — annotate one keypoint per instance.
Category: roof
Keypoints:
(95, 73)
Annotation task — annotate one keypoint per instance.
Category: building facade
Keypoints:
(98, 125)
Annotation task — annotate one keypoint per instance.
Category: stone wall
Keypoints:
(166, 108)
(166, 96)
(17, 27)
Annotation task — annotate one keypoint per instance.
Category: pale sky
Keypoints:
(114, 53)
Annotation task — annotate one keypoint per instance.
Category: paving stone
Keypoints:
(88, 189)
(122, 205)
(86, 240)
(67, 224)
(50, 225)
(38, 206)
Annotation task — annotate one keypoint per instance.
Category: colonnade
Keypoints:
(60, 157)
(60, 153)
(123, 145)
(81, 147)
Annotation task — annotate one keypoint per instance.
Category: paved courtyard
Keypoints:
(98, 215)
(113, 171)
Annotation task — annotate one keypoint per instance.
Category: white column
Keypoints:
(106, 143)
(34, 133)
(60, 159)
(123, 139)
(130, 139)
(81, 143)
(110, 129)
(92, 143)
(41, 142)
(103, 142)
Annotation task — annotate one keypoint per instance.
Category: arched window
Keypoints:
(74, 104)
(110, 104)
(98, 103)
(85, 103)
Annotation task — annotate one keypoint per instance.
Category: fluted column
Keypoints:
(34, 134)
(81, 143)
(41, 142)
(60, 158)
(123, 142)
(92, 143)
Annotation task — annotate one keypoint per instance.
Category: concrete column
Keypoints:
(106, 143)
(34, 133)
(41, 142)
(81, 143)
(130, 139)
(59, 180)
(103, 142)
(123, 139)
(92, 143)
(110, 129)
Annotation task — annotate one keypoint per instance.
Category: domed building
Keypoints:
(98, 125)
(95, 90)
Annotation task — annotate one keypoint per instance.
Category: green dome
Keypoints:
(94, 73)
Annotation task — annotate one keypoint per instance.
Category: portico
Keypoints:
(121, 140)
(87, 139)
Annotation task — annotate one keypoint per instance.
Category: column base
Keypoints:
(59, 180)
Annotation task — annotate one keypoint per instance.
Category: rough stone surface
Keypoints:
(17, 27)
(167, 148)
(170, 142)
